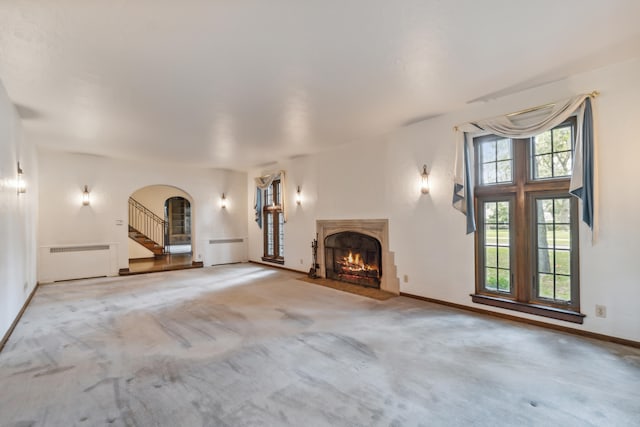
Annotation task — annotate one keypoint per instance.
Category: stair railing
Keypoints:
(147, 223)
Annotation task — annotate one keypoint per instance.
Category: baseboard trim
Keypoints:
(278, 266)
(142, 259)
(587, 334)
(18, 317)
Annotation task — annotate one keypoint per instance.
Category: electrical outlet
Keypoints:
(301, 261)
(406, 278)
(601, 311)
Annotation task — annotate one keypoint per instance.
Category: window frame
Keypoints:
(275, 208)
(572, 123)
(480, 254)
(522, 189)
(479, 161)
(574, 303)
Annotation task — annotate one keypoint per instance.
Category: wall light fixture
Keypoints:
(223, 201)
(20, 184)
(86, 197)
(424, 180)
(298, 196)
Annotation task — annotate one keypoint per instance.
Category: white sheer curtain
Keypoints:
(526, 125)
(264, 181)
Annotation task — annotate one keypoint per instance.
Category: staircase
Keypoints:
(147, 228)
(156, 248)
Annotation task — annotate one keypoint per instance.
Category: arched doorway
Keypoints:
(177, 214)
(161, 224)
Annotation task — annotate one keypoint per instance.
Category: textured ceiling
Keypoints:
(238, 83)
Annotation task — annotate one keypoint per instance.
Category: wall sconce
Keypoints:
(223, 201)
(424, 180)
(86, 197)
(298, 197)
(20, 184)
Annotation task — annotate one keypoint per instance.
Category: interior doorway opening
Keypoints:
(161, 225)
(177, 212)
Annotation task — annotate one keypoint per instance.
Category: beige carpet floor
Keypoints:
(245, 345)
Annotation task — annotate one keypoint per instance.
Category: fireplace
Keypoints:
(357, 251)
(353, 257)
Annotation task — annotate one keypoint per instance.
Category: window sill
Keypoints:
(274, 260)
(539, 310)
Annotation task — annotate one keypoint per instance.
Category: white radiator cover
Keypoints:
(66, 262)
(227, 250)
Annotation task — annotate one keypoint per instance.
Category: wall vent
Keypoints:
(218, 241)
(79, 248)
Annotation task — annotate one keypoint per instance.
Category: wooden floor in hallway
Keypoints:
(167, 262)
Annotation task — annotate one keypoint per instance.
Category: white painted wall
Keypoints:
(18, 215)
(379, 179)
(64, 221)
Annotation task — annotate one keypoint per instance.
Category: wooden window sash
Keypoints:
(522, 267)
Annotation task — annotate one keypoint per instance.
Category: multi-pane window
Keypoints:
(273, 223)
(496, 161)
(553, 248)
(526, 245)
(497, 245)
(552, 153)
(281, 234)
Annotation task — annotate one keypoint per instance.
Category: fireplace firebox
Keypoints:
(354, 258)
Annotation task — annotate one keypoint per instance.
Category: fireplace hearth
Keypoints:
(353, 257)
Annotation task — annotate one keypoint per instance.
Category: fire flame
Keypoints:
(355, 263)
(355, 260)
